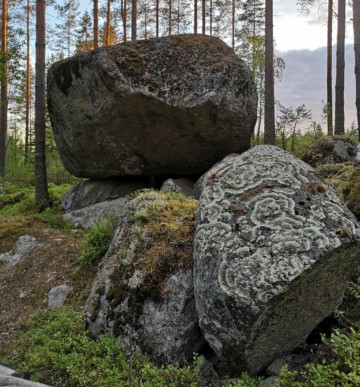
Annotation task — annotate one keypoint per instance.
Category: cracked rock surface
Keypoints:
(274, 248)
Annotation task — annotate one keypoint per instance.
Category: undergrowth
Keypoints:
(55, 349)
(96, 242)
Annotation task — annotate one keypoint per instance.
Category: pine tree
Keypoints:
(41, 190)
(340, 70)
(356, 25)
(269, 131)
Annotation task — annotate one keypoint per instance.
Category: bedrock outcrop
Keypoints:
(274, 248)
(172, 105)
(143, 292)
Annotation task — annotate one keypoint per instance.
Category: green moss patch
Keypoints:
(159, 242)
(345, 179)
(55, 349)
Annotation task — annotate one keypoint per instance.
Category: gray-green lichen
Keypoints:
(264, 220)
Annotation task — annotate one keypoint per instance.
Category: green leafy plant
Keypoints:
(55, 349)
(341, 367)
(97, 240)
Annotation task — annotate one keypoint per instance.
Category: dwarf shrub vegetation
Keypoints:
(96, 242)
(55, 349)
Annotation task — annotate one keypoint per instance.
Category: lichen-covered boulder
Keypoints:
(166, 106)
(345, 179)
(274, 248)
(329, 150)
(143, 292)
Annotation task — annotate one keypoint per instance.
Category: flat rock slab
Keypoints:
(274, 249)
(11, 381)
(166, 106)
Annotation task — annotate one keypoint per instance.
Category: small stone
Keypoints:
(24, 245)
(57, 296)
(275, 367)
(184, 186)
(270, 382)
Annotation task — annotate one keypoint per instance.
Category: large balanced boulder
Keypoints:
(274, 248)
(172, 105)
(143, 292)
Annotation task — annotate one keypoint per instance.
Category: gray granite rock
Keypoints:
(143, 292)
(90, 192)
(85, 217)
(330, 150)
(57, 296)
(11, 381)
(274, 249)
(6, 371)
(166, 106)
(24, 245)
(275, 367)
(184, 186)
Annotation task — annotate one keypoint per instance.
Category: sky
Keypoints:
(301, 41)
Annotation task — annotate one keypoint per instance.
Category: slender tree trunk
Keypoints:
(329, 71)
(203, 17)
(157, 17)
(356, 22)
(107, 43)
(145, 21)
(4, 98)
(96, 23)
(195, 16)
(211, 17)
(124, 18)
(133, 20)
(233, 24)
(28, 83)
(170, 17)
(41, 190)
(340, 70)
(269, 120)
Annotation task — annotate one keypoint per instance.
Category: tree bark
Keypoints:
(356, 22)
(28, 83)
(269, 119)
(195, 16)
(157, 17)
(108, 23)
(96, 23)
(340, 70)
(133, 20)
(203, 17)
(4, 96)
(124, 18)
(42, 198)
(329, 71)
(170, 18)
(233, 24)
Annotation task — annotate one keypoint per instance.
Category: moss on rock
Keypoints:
(334, 149)
(345, 179)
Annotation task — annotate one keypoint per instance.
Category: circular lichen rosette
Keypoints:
(265, 225)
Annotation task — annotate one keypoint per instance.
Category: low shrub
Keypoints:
(55, 349)
(96, 242)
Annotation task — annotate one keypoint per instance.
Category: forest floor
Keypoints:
(24, 287)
